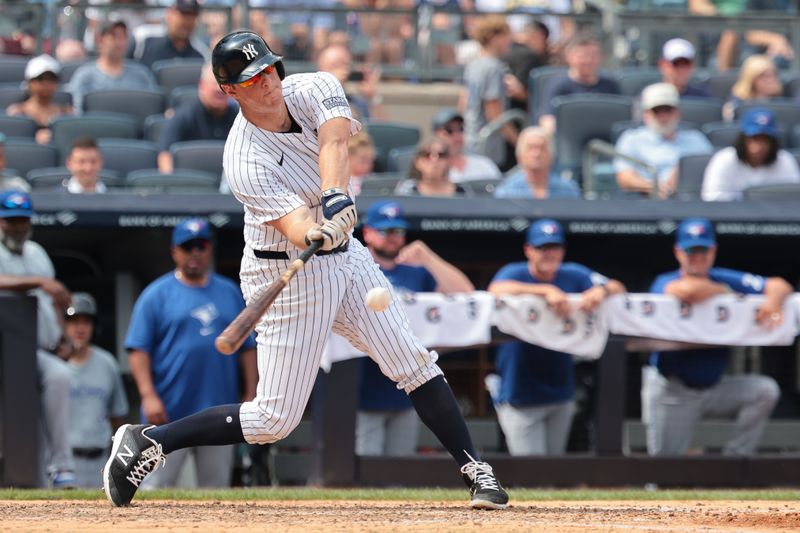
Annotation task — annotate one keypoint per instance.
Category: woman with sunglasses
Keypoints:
(41, 77)
(429, 174)
(758, 82)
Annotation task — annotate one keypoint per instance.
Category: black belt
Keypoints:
(88, 453)
(271, 254)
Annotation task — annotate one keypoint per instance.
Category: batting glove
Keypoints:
(332, 232)
(336, 205)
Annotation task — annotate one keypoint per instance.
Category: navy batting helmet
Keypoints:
(240, 55)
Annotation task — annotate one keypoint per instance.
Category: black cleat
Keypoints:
(133, 456)
(483, 486)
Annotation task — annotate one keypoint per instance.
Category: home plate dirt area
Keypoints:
(395, 516)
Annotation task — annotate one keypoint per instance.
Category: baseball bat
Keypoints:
(232, 337)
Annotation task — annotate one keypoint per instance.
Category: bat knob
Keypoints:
(225, 346)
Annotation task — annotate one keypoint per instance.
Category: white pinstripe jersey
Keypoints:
(272, 173)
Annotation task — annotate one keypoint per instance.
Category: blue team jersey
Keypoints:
(376, 391)
(530, 374)
(704, 367)
(176, 325)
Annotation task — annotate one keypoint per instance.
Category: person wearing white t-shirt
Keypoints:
(755, 159)
(448, 126)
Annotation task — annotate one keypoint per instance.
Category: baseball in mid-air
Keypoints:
(378, 298)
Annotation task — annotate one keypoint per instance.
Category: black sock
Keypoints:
(438, 409)
(215, 426)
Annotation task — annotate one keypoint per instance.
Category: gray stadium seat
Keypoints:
(69, 68)
(690, 176)
(54, 177)
(724, 134)
(388, 135)
(18, 126)
(701, 110)
(25, 155)
(719, 84)
(126, 155)
(400, 159)
(632, 80)
(181, 180)
(96, 125)
(773, 191)
(138, 104)
(11, 93)
(153, 126)
(12, 68)
(172, 73)
(182, 95)
(538, 86)
(205, 156)
(381, 184)
(785, 109)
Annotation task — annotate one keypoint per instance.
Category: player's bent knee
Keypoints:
(769, 391)
(260, 426)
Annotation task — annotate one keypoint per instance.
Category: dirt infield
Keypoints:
(379, 516)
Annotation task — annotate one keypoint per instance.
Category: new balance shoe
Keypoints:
(133, 456)
(484, 488)
(63, 479)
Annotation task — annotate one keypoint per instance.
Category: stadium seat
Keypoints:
(138, 104)
(773, 191)
(724, 134)
(388, 135)
(96, 125)
(18, 126)
(126, 155)
(12, 68)
(11, 93)
(153, 125)
(786, 110)
(719, 84)
(25, 155)
(181, 180)
(481, 187)
(701, 110)
(690, 176)
(172, 73)
(69, 68)
(54, 177)
(381, 184)
(632, 80)
(538, 85)
(205, 156)
(185, 94)
(619, 127)
(400, 159)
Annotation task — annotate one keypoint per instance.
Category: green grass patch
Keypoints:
(416, 494)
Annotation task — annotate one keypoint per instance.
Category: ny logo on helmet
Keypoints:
(249, 51)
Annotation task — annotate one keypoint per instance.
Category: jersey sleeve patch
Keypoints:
(335, 101)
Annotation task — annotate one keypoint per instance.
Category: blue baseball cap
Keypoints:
(15, 203)
(695, 233)
(189, 229)
(385, 215)
(545, 231)
(759, 122)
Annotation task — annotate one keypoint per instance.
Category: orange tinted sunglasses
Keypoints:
(255, 79)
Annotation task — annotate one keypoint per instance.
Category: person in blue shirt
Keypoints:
(535, 178)
(386, 422)
(681, 387)
(534, 401)
(170, 344)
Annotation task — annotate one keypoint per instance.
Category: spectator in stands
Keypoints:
(170, 343)
(85, 163)
(367, 100)
(681, 387)
(110, 70)
(755, 159)
(428, 175)
(386, 423)
(362, 159)
(69, 50)
(448, 126)
(210, 117)
(308, 31)
(758, 82)
(529, 50)
(535, 400)
(584, 56)
(535, 177)
(97, 397)
(484, 96)
(41, 80)
(677, 67)
(386, 35)
(26, 268)
(658, 143)
(181, 21)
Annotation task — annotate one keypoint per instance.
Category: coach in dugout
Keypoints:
(534, 402)
(681, 387)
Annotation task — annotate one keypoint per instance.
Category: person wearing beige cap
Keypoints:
(677, 67)
(41, 81)
(658, 143)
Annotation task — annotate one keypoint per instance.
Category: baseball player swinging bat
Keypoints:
(237, 331)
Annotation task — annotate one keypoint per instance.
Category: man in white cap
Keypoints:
(658, 143)
(677, 66)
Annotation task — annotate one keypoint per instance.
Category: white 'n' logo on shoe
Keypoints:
(123, 457)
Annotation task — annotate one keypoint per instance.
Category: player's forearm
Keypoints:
(693, 289)
(630, 180)
(506, 287)
(139, 362)
(448, 278)
(776, 290)
(295, 225)
(20, 283)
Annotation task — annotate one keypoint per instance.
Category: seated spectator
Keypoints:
(758, 82)
(755, 159)
(97, 397)
(448, 126)
(110, 70)
(210, 117)
(535, 401)
(658, 143)
(428, 175)
(362, 159)
(584, 56)
(535, 177)
(181, 21)
(677, 67)
(681, 387)
(41, 80)
(85, 163)
(366, 102)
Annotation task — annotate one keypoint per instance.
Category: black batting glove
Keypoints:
(338, 206)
